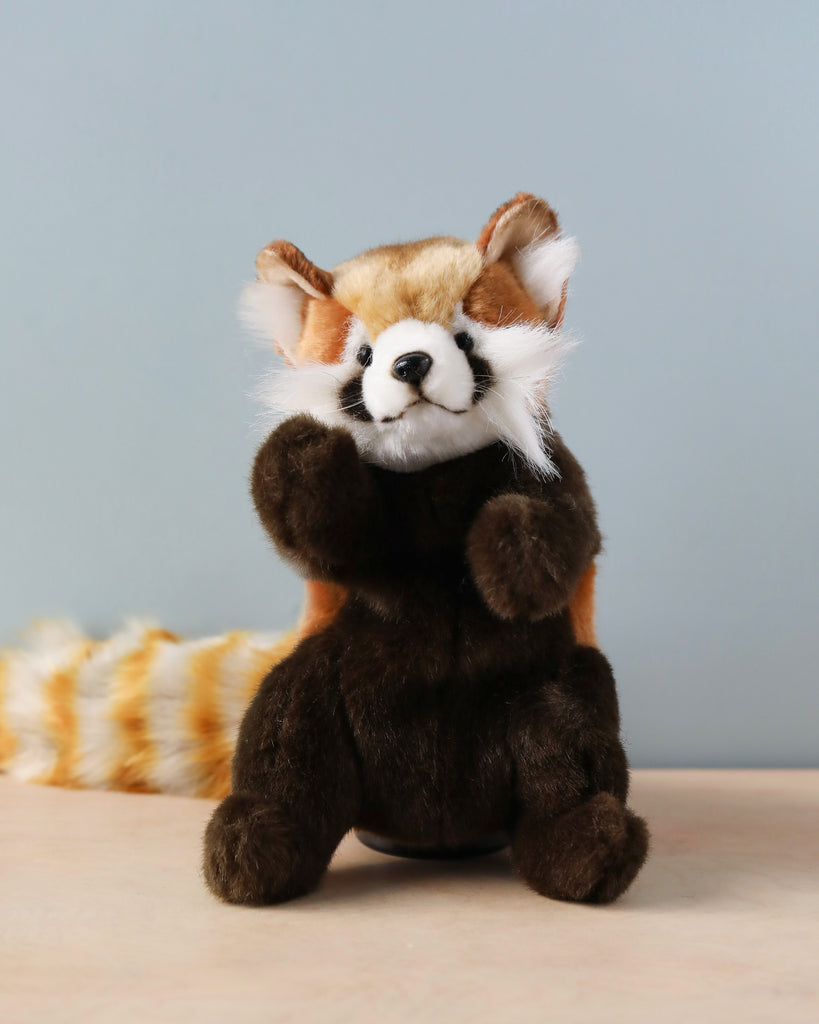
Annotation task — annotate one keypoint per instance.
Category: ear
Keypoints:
(525, 233)
(274, 305)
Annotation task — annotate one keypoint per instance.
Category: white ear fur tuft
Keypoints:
(544, 266)
(273, 312)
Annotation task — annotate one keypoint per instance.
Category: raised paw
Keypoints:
(516, 553)
(311, 490)
(296, 466)
(253, 856)
(589, 854)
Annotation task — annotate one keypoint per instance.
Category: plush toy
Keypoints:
(453, 693)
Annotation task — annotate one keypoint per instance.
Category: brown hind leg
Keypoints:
(575, 839)
(295, 787)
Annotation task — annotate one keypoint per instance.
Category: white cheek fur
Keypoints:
(524, 359)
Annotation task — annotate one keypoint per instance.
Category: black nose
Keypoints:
(412, 368)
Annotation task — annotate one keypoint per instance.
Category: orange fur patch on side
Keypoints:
(581, 609)
(129, 709)
(325, 330)
(324, 601)
(419, 280)
(213, 747)
(497, 299)
(8, 741)
(62, 719)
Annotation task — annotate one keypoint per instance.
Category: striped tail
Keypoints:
(143, 711)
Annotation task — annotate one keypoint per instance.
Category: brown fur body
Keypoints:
(447, 686)
(444, 702)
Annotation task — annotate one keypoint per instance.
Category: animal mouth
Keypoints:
(422, 400)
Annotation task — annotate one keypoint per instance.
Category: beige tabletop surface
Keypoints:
(104, 917)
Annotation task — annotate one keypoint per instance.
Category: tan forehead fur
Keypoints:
(423, 280)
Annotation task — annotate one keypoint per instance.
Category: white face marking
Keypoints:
(415, 425)
(449, 382)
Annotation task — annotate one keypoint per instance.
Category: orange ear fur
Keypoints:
(281, 262)
(515, 224)
(497, 295)
(275, 305)
(324, 332)
(514, 235)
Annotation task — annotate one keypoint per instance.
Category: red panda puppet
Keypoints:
(447, 693)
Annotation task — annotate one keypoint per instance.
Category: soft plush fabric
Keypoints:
(457, 694)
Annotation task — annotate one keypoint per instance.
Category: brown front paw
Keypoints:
(297, 468)
(516, 558)
(308, 483)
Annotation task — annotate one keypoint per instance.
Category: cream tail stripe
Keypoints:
(38, 714)
(142, 711)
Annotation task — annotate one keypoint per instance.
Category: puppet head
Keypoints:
(428, 350)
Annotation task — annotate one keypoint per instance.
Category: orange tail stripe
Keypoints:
(62, 719)
(212, 746)
(129, 709)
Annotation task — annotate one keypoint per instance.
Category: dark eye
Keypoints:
(464, 341)
(364, 355)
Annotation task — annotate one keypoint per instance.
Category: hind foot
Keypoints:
(589, 854)
(253, 855)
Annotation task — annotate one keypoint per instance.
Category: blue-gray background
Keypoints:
(149, 149)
